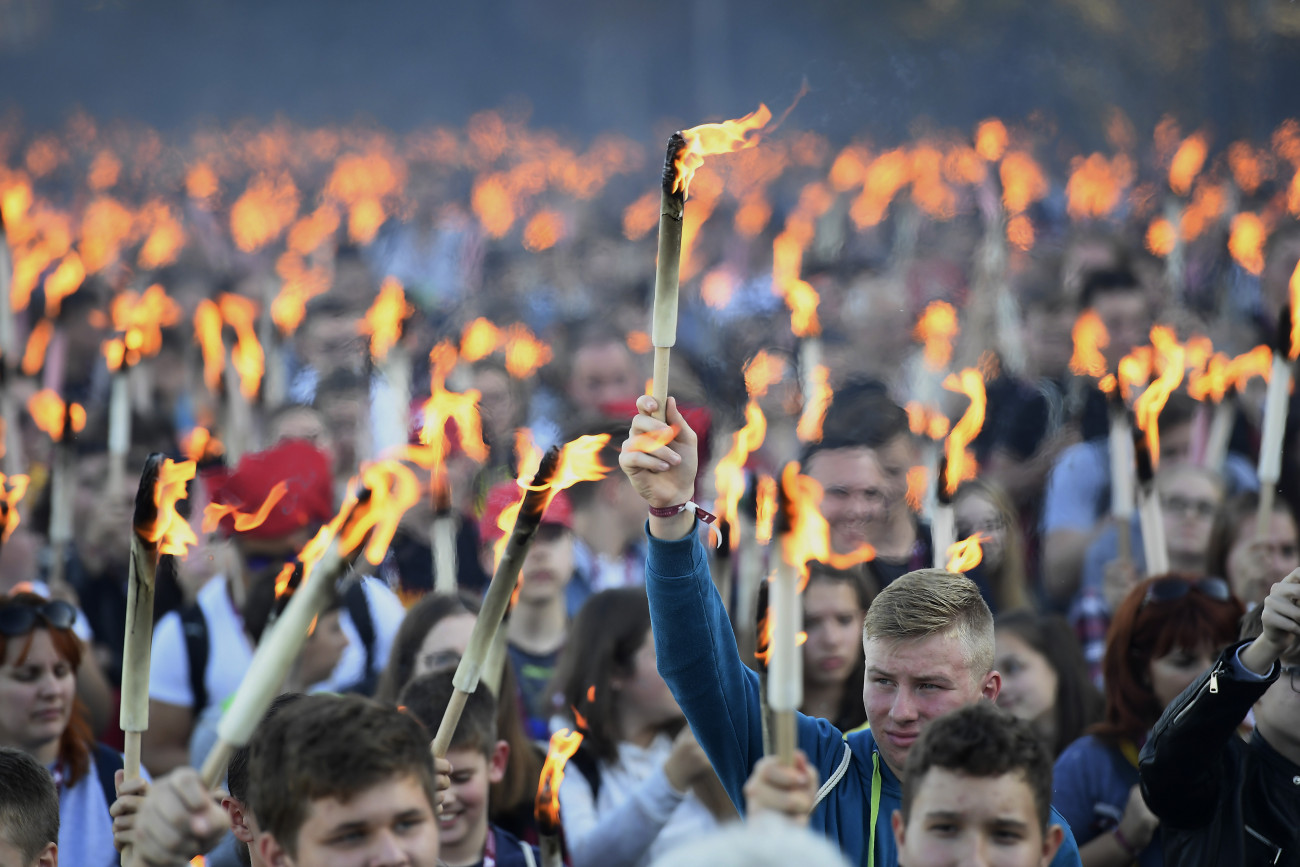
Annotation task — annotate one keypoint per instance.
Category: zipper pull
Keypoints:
(1214, 682)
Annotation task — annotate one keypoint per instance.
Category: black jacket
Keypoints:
(1221, 800)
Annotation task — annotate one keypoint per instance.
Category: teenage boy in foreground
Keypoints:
(478, 759)
(337, 781)
(29, 812)
(928, 639)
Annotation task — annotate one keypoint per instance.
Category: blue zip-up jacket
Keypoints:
(697, 656)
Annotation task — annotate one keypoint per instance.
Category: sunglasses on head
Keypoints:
(18, 618)
(1169, 589)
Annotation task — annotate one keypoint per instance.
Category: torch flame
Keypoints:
(1170, 360)
(171, 532)
(479, 340)
(961, 463)
(1090, 337)
(965, 555)
(383, 321)
(244, 521)
(246, 356)
(1256, 362)
(1246, 241)
(37, 344)
(991, 139)
(926, 421)
(52, 416)
(263, 212)
(918, 484)
(1096, 185)
(815, 405)
(207, 329)
(729, 473)
(200, 444)
(765, 509)
(564, 744)
(139, 318)
(12, 491)
(524, 352)
(937, 329)
(762, 372)
(808, 535)
(1187, 163)
(444, 407)
(1161, 237)
(716, 138)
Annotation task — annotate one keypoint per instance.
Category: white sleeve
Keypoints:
(386, 613)
(619, 837)
(169, 666)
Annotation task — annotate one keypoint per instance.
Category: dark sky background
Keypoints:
(881, 67)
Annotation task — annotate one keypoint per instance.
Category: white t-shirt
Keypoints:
(85, 828)
(230, 652)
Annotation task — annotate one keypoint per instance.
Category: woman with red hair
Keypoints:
(41, 715)
(1164, 634)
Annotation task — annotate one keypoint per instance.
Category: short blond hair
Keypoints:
(931, 602)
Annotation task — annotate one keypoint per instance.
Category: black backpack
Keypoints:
(197, 646)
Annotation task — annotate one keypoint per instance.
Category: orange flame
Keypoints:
(965, 555)
(1170, 360)
(544, 230)
(961, 463)
(1248, 168)
(580, 462)
(991, 139)
(165, 239)
(1023, 182)
(918, 485)
(106, 226)
(244, 521)
(200, 444)
(809, 429)
(524, 352)
(1294, 290)
(641, 216)
(263, 212)
(716, 138)
(363, 182)
(479, 340)
(393, 489)
(1256, 362)
(246, 356)
(37, 344)
(65, 280)
(809, 535)
(12, 490)
(207, 329)
(926, 421)
(1020, 232)
(937, 329)
(887, 174)
(171, 532)
(383, 321)
(52, 416)
(1207, 205)
(729, 473)
(717, 287)
(1246, 241)
(1211, 381)
(762, 372)
(1090, 337)
(201, 182)
(139, 319)
(564, 744)
(1161, 237)
(298, 285)
(639, 342)
(765, 509)
(1097, 184)
(1187, 163)
(444, 407)
(1135, 370)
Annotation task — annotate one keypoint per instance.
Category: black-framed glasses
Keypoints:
(1169, 589)
(18, 618)
(1180, 505)
(1293, 672)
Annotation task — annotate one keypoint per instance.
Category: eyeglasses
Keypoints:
(18, 618)
(1169, 589)
(1185, 506)
(1293, 672)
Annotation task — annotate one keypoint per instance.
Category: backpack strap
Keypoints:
(195, 628)
(108, 762)
(586, 763)
(358, 607)
(835, 776)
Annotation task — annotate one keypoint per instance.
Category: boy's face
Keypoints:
(390, 823)
(961, 820)
(548, 565)
(463, 824)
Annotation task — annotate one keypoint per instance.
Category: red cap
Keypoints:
(558, 513)
(308, 500)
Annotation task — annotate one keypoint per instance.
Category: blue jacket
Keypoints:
(697, 656)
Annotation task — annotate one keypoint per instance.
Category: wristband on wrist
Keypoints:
(1124, 843)
(689, 506)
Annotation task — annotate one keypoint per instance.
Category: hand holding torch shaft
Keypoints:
(136, 650)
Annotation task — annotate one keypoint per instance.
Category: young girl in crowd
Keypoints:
(833, 665)
(982, 507)
(41, 715)
(432, 637)
(633, 789)
(1165, 633)
(1252, 563)
(1044, 679)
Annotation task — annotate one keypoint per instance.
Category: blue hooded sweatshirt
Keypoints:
(697, 656)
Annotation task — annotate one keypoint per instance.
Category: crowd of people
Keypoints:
(1059, 702)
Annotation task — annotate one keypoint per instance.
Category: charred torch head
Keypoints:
(676, 143)
(146, 507)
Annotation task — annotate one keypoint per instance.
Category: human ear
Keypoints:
(237, 812)
(1051, 842)
(497, 762)
(49, 856)
(992, 686)
(896, 822)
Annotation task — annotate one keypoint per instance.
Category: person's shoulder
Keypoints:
(381, 598)
(1083, 751)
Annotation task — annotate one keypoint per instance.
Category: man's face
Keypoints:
(463, 824)
(855, 496)
(1127, 318)
(910, 682)
(602, 374)
(390, 823)
(1277, 713)
(957, 819)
